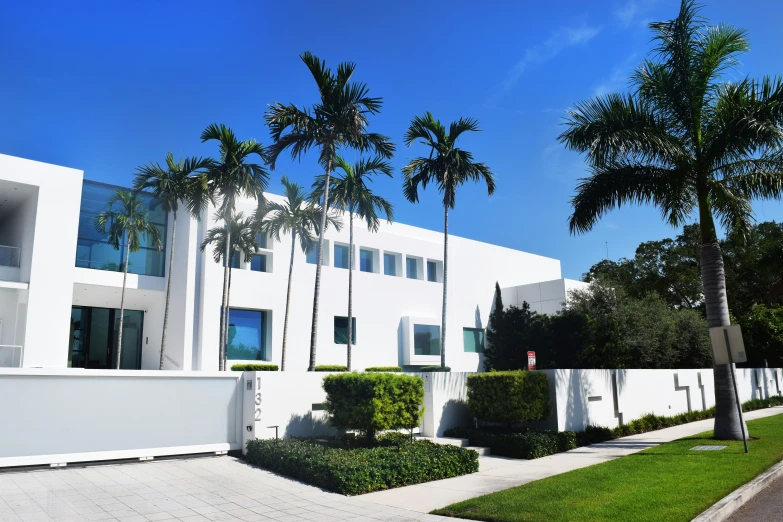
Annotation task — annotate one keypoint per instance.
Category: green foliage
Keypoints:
(525, 444)
(373, 402)
(511, 333)
(435, 369)
(509, 397)
(383, 369)
(331, 368)
(350, 469)
(762, 329)
(254, 368)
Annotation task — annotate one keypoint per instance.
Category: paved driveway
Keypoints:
(196, 489)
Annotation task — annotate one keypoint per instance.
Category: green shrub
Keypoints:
(527, 444)
(372, 402)
(434, 369)
(254, 368)
(330, 368)
(383, 369)
(593, 435)
(360, 470)
(509, 397)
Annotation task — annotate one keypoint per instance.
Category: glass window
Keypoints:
(411, 268)
(341, 256)
(426, 339)
(261, 240)
(93, 340)
(258, 263)
(235, 259)
(341, 330)
(389, 264)
(246, 335)
(473, 340)
(312, 257)
(432, 271)
(365, 260)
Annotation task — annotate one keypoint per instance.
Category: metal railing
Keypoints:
(11, 356)
(9, 256)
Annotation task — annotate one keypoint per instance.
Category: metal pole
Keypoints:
(736, 393)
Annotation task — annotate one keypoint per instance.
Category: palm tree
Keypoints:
(300, 219)
(173, 185)
(230, 178)
(339, 120)
(351, 194)
(687, 143)
(126, 219)
(448, 167)
(239, 237)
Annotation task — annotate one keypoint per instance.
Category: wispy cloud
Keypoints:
(629, 13)
(559, 40)
(618, 79)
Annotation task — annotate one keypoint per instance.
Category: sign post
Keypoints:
(734, 351)
(531, 360)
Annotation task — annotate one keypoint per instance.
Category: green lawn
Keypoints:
(666, 483)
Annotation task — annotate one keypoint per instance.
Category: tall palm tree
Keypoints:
(126, 220)
(302, 220)
(239, 237)
(449, 167)
(339, 120)
(351, 194)
(174, 184)
(690, 145)
(229, 178)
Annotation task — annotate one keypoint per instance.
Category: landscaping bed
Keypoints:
(521, 444)
(351, 466)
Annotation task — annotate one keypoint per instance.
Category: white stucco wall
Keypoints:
(544, 297)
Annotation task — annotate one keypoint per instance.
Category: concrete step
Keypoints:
(483, 452)
(462, 443)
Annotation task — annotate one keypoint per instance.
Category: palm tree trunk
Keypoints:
(350, 288)
(224, 309)
(168, 291)
(317, 291)
(288, 300)
(445, 288)
(122, 305)
(226, 322)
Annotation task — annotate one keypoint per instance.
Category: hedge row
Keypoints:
(330, 368)
(383, 369)
(434, 369)
(522, 445)
(509, 397)
(353, 471)
(254, 368)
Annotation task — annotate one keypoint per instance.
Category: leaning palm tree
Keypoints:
(339, 120)
(238, 238)
(125, 220)
(449, 167)
(689, 144)
(351, 194)
(228, 179)
(302, 220)
(176, 183)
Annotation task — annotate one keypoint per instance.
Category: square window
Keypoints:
(365, 260)
(246, 335)
(432, 271)
(390, 264)
(473, 340)
(258, 263)
(312, 256)
(341, 330)
(261, 240)
(235, 259)
(411, 268)
(341, 259)
(426, 339)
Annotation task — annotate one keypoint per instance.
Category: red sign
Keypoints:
(531, 360)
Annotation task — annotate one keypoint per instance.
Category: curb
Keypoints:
(739, 497)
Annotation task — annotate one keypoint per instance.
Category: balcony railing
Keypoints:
(9, 256)
(11, 356)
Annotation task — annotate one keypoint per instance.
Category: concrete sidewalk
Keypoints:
(497, 473)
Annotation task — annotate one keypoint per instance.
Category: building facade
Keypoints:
(60, 286)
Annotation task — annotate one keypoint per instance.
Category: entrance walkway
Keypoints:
(497, 473)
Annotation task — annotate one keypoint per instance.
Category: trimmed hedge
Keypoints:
(392, 369)
(509, 397)
(434, 369)
(373, 402)
(254, 368)
(330, 368)
(522, 445)
(357, 470)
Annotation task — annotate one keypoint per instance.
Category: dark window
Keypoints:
(246, 335)
(341, 259)
(341, 330)
(93, 341)
(365, 260)
(426, 339)
(258, 263)
(412, 268)
(473, 340)
(432, 271)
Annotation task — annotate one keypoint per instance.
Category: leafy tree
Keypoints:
(338, 120)
(227, 179)
(351, 194)
(302, 220)
(448, 167)
(686, 143)
(126, 221)
(762, 329)
(172, 185)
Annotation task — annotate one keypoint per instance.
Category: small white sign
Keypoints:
(719, 349)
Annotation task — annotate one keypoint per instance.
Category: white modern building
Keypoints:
(60, 288)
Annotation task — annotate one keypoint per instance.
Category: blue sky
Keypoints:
(107, 86)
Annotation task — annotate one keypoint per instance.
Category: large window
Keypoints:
(432, 271)
(411, 268)
(473, 340)
(341, 330)
(246, 335)
(258, 263)
(93, 340)
(341, 258)
(390, 264)
(426, 339)
(312, 256)
(365, 260)
(93, 249)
